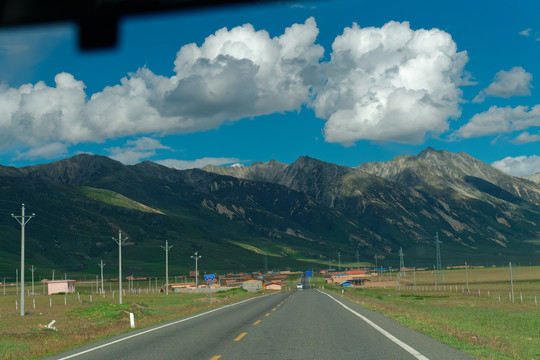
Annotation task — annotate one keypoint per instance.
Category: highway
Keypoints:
(302, 324)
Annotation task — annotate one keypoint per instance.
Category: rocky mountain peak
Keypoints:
(75, 170)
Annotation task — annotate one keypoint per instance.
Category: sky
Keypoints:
(344, 81)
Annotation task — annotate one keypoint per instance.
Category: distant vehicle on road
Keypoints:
(299, 286)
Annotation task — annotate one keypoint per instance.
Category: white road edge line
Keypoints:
(160, 327)
(406, 347)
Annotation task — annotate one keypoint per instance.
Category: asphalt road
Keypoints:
(303, 324)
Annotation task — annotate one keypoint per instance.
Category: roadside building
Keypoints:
(60, 286)
(252, 285)
(274, 286)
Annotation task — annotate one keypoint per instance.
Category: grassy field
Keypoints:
(483, 322)
(88, 316)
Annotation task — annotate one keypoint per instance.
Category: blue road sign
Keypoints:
(209, 277)
(309, 273)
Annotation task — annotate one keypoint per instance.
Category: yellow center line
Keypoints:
(274, 309)
(257, 322)
(266, 314)
(239, 337)
(215, 357)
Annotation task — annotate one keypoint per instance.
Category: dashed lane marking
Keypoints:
(257, 322)
(239, 337)
(160, 327)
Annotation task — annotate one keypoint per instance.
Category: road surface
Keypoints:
(302, 324)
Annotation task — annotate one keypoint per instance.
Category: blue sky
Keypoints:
(342, 81)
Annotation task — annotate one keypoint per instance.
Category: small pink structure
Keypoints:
(274, 286)
(60, 286)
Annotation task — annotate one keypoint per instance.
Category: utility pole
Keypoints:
(120, 242)
(511, 282)
(401, 263)
(357, 261)
(166, 248)
(265, 263)
(23, 220)
(467, 277)
(32, 269)
(438, 251)
(339, 260)
(53, 274)
(196, 257)
(101, 265)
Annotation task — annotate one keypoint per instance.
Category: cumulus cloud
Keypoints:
(200, 163)
(47, 151)
(500, 120)
(525, 137)
(525, 32)
(234, 74)
(515, 82)
(390, 84)
(136, 150)
(242, 73)
(382, 84)
(519, 166)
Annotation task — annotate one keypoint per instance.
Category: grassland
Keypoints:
(483, 322)
(88, 316)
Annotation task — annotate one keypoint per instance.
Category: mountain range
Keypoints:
(267, 215)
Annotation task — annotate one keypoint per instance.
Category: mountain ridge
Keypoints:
(301, 212)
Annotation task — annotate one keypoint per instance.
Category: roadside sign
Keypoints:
(309, 273)
(209, 278)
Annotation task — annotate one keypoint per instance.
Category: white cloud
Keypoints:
(500, 120)
(525, 32)
(525, 138)
(47, 151)
(390, 84)
(515, 82)
(519, 166)
(199, 163)
(382, 84)
(136, 150)
(242, 73)
(234, 74)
